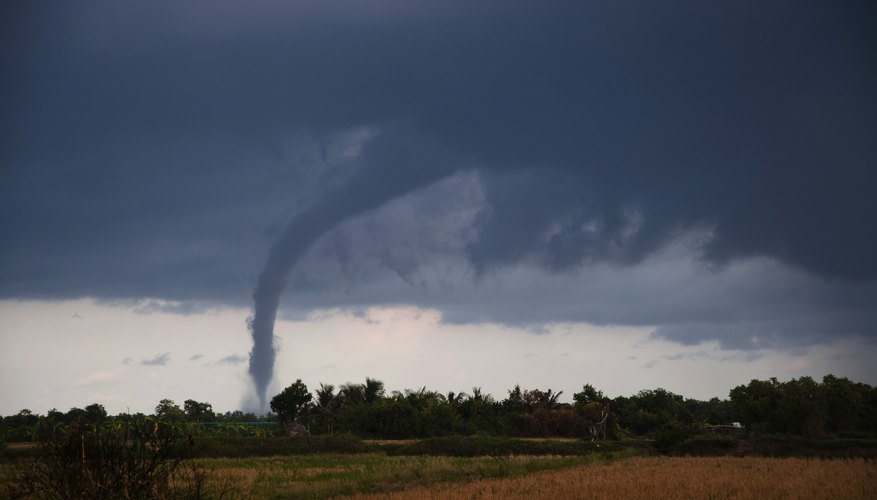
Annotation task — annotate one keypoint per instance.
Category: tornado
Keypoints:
(392, 164)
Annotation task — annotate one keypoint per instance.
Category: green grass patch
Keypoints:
(466, 446)
(453, 446)
(240, 447)
(323, 476)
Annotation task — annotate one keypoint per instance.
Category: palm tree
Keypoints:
(553, 398)
(422, 398)
(372, 390)
(456, 398)
(326, 405)
(325, 394)
(478, 396)
(351, 394)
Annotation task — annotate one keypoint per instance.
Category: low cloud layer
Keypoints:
(705, 169)
(160, 359)
(233, 359)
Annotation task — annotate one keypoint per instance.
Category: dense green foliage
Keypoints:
(248, 446)
(802, 407)
(799, 407)
(805, 407)
(292, 403)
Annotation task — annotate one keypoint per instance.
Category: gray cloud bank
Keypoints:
(704, 168)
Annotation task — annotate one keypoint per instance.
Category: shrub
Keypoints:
(142, 458)
(704, 446)
(460, 446)
(239, 447)
(671, 434)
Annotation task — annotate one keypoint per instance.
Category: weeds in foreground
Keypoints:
(142, 458)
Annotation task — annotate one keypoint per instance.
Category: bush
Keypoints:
(671, 434)
(705, 446)
(240, 447)
(142, 458)
(778, 446)
(462, 446)
(560, 422)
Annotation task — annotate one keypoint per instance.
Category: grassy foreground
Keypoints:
(675, 477)
(375, 476)
(463, 467)
(324, 476)
(332, 475)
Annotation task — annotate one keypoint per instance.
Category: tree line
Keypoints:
(19, 427)
(801, 407)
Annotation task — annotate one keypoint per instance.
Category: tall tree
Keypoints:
(168, 410)
(293, 403)
(351, 394)
(326, 405)
(588, 394)
(197, 411)
(372, 390)
(95, 412)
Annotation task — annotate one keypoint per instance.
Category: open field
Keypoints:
(374, 476)
(331, 475)
(324, 476)
(371, 475)
(674, 477)
(464, 467)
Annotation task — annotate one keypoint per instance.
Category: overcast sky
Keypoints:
(631, 194)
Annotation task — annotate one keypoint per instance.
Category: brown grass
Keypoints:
(389, 441)
(21, 446)
(666, 477)
(329, 476)
(542, 439)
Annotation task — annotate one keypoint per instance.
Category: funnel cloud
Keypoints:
(390, 165)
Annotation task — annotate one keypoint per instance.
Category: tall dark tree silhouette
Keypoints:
(293, 403)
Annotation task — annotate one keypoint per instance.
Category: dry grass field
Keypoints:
(378, 476)
(329, 476)
(669, 477)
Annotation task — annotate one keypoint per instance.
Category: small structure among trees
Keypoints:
(732, 428)
(598, 429)
(296, 429)
(594, 406)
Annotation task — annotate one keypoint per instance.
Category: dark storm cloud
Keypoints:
(158, 151)
(749, 304)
